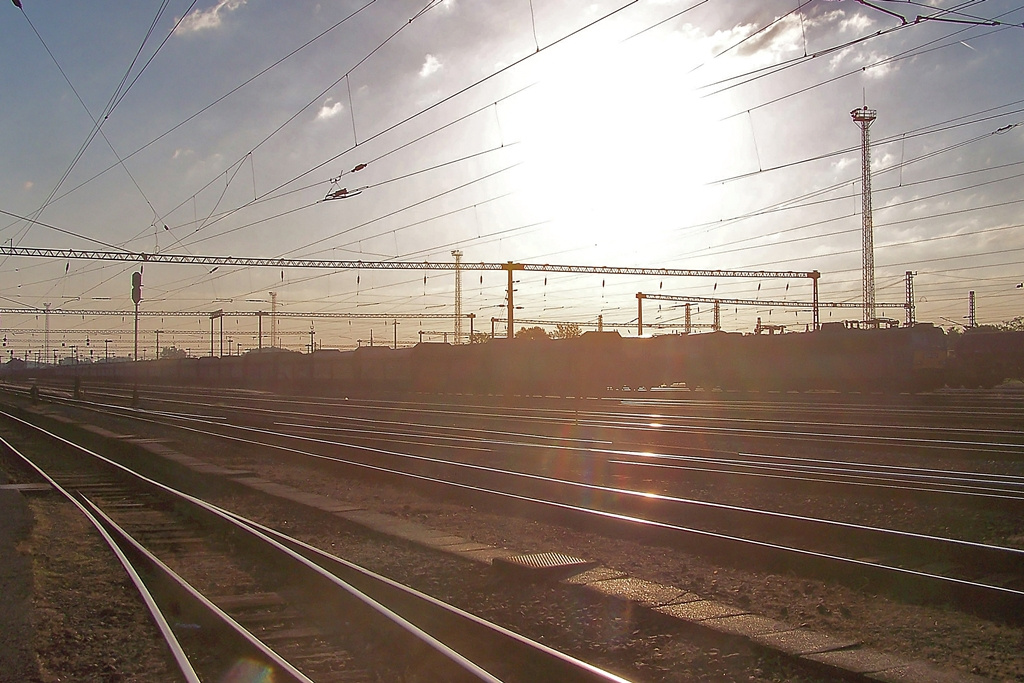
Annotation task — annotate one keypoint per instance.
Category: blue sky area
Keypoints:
(711, 134)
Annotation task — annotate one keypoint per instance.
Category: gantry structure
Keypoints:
(459, 266)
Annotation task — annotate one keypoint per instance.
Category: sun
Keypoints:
(617, 142)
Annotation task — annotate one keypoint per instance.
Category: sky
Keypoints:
(690, 134)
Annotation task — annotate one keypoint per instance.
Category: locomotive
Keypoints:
(839, 357)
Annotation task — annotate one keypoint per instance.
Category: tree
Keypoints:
(479, 338)
(1014, 325)
(173, 352)
(532, 333)
(567, 331)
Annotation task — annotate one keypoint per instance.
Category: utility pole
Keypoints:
(511, 304)
(273, 319)
(639, 314)
(311, 332)
(136, 297)
(157, 357)
(106, 349)
(457, 321)
(863, 117)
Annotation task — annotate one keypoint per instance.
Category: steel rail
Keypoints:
(851, 473)
(451, 617)
(996, 597)
(569, 668)
(181, 660)
(462, 663)
(629, 421)
(457, 659)
(593, 490)
(280, 669)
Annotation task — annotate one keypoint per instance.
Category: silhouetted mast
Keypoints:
(863, 118)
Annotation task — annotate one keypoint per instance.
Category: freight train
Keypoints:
(839, 357)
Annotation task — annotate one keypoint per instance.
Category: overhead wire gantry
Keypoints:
(335, 264)
(814, 305)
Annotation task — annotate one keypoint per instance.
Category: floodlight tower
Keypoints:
(863, 118)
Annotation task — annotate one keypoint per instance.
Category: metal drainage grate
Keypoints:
(542, 565)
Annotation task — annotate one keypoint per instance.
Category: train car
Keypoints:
(841, 357)
(986, 357)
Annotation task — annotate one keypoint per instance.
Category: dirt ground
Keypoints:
(86, 620)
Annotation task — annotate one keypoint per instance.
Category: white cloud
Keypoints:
(208, 18)
(857, 24)
(842, 164)
(329, 111)
(181, 152)
(430, 66)
(28, 185)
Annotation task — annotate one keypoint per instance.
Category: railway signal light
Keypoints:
(136, 287)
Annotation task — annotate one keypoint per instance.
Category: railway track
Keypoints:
(981, 577)
(621, 434)
(228, 591)
(666, 464)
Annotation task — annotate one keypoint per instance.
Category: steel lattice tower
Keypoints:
(273, 320)
(911, 315)
(458, 295)
(46, 336)
(863, 118)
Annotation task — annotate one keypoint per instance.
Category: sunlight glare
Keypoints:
(617, 141)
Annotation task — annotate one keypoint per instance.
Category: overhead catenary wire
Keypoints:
(406, 163)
